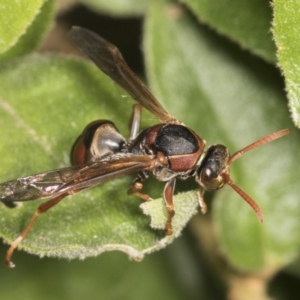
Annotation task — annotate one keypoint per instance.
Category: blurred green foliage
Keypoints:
(219, 77)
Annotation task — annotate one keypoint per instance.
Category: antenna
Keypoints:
(269, 138)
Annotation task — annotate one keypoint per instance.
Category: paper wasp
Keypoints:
(168, 150)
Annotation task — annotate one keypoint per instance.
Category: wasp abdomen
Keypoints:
(98, 140)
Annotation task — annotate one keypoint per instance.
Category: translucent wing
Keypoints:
(72, 179)
(110, 61)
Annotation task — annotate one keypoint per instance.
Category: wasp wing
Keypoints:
(72, 179)
(110, 61)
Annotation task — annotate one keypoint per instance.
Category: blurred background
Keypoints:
(193, 266)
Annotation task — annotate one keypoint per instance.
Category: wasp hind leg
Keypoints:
(40, 210)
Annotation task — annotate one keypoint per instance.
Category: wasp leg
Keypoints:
(135, 121)
(41, 209)
(201, 200)
(168, 197)
(138, 185)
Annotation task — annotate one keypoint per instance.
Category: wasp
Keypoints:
(168, 150)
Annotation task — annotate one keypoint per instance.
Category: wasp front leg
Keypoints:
(201, 200)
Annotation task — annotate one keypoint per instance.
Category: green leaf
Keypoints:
(230, 97)
(286, 34)
(45, 103)
(110, 276)
(245, 22)
(16, 17)
(35, 32)
(121, 8)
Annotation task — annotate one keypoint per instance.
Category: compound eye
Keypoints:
(210, 180)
